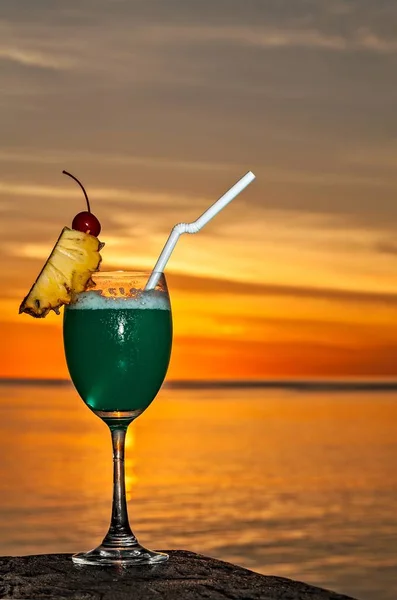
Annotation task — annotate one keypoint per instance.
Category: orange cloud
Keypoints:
(224, 330)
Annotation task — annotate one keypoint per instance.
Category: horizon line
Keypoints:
(373, 383)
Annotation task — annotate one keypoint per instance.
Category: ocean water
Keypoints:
(296, 483)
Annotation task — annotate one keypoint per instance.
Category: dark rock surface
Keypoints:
(185, 575)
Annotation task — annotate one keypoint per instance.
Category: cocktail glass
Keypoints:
(117, 339)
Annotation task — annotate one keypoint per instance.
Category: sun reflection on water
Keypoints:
(281, 482)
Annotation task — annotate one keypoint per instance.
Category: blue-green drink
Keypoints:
(118, 349)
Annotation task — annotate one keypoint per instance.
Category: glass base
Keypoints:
(135, 555)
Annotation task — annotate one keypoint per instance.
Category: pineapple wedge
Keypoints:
(68, 270)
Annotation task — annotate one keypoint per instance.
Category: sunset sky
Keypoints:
(159, 107)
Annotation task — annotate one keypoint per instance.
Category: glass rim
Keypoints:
(126, 272)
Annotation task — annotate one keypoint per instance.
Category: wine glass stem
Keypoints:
(119, 534)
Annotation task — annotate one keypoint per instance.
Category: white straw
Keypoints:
(195, 226)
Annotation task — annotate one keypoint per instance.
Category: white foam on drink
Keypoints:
(94, 300)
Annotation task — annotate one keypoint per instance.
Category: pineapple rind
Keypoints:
(67, 271)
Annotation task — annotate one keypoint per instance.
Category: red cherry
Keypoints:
(87, 222)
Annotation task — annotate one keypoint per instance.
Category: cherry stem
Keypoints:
(82, 187)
